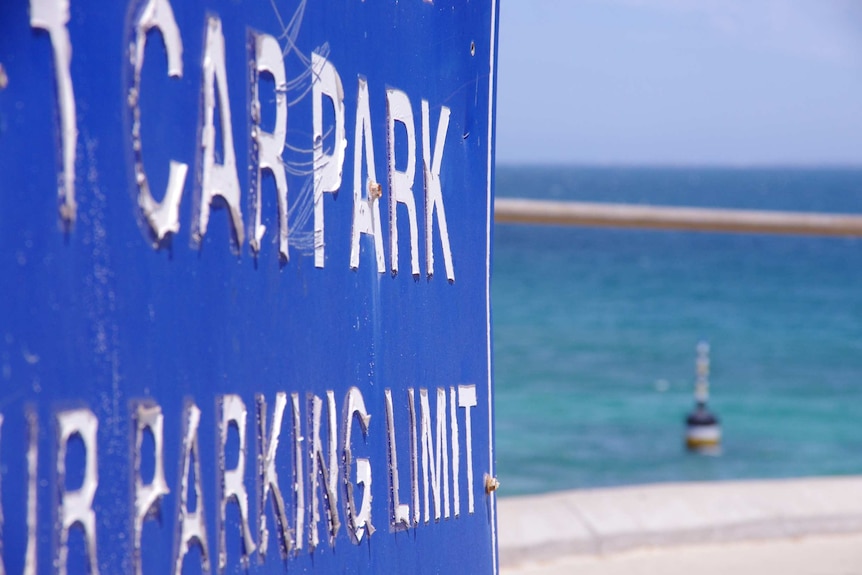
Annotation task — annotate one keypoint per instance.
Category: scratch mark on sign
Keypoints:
(298, 88)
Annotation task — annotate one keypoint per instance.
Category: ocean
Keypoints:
(595, 332)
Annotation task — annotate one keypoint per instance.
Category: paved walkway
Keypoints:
(816, 555)
(594, 529)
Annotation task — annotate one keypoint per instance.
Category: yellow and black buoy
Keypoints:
(703, 432)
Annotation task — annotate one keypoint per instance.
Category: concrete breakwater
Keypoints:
(607, 520)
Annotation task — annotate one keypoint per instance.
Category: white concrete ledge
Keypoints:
(598, 521)
(616, 215)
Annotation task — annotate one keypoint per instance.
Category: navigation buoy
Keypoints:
(703, 432)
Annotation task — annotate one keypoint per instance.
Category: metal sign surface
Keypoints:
(244, 272)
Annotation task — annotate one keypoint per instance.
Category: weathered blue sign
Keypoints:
(244, 280)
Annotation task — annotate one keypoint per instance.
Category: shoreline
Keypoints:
(597, 522)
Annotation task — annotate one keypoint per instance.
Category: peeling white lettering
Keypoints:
(217, 180)
(147, 497)
(319, 468)
(268, 60)
(433, 190)
(399, 514)
(366, 209)
(232, 481)
(456, 452)
(332, 462)
(268, 476)
(414, 455)
(163, 217)
(30, 557)
(398, 109)
(435, 460)
(357, 523)
(466, 400)
(298, 475)
(217, 174)
(325, 81)
(76, 506)
(191, 525)
(53, 16)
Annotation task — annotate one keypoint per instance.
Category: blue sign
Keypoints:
(244, 282)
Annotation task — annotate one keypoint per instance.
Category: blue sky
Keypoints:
(718, 82)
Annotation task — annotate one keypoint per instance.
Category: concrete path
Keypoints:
(596, 522)
(815, 555)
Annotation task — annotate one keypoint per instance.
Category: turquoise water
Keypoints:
(595, 333)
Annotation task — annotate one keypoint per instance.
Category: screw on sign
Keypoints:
(211, 357)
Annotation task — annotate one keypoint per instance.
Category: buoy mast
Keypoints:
(703, 432)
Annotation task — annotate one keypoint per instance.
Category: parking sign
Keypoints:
(244, 286)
